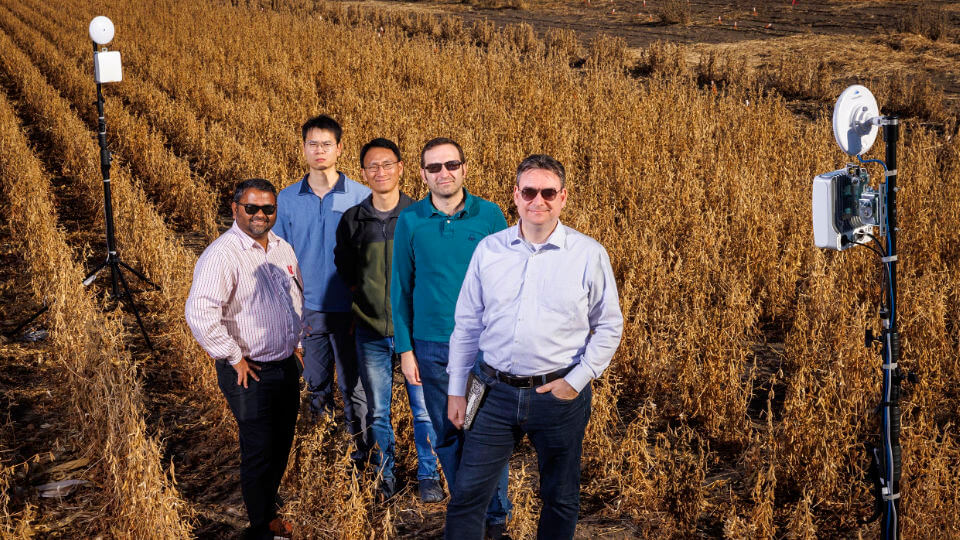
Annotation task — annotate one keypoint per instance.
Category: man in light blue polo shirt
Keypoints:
(308, 213)
(432, 245)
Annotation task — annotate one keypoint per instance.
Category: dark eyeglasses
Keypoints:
(450, 165)
(252, 209)
(529, 193)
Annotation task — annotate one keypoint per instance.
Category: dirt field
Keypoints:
(858, 41)
(641, 23)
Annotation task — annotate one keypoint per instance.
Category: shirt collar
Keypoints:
(367, 210)
(557, 239)
(469, 201)
(247, 242)
(339, 187)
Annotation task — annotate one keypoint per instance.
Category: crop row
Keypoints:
(213, 150)
(244, 99)
(142, 236)
(167, 178)
(702, 200)
(98, 378)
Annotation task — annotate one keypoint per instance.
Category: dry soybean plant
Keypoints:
(99, 380)
(740, 398)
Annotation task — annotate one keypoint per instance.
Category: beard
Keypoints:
(259, 227)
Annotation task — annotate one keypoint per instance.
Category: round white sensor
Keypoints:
(101, 30)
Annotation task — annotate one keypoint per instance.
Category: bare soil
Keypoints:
(859, 39)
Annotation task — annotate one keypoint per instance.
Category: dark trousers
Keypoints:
(266, 413)
(329, 348)
(555, 428)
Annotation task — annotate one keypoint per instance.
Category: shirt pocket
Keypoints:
(563, 304)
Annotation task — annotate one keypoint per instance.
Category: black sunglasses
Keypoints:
(529, 193)
(252, 209)
(450, 165)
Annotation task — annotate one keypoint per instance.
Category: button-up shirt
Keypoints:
(244, 301)
(431, 251)
(309, 224)
(535, 310)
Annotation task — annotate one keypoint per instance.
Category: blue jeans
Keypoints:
(555, 428)
(328, 346)
(432, 361)
(375, 356)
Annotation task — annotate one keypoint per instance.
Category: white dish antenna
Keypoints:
(855, 118)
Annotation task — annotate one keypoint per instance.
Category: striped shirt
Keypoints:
(246, 302)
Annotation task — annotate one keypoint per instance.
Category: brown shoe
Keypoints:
(281, 528)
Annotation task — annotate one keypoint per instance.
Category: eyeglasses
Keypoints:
(450, 166)
(252, 209)
(387, 166)
(529, 193)
(323, 147)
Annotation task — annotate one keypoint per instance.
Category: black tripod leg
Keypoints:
(87, 280)
(139, 275)
(92, 275)
(133, 307)
(24, 324)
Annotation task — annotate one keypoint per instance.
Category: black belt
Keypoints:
(226, 362)
(530, 381)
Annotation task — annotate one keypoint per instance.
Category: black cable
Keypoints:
(873, 249)
(885, 279)
(877, 240)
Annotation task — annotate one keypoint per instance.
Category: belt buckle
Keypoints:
(527, 382)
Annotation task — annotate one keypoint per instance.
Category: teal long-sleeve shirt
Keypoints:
(431, 252)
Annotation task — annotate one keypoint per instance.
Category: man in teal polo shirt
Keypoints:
(433, 242)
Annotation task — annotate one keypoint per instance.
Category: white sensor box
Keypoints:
(106, 67)
(825, 233)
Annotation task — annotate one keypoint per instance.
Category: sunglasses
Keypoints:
(529, 193)
(252, 209)
(450, 165)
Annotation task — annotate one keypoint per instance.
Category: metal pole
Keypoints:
(892, 374)
(107, 197)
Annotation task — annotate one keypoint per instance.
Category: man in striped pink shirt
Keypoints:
(245, 308)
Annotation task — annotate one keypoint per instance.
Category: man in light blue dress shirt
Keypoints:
(540, 301)
(308, 213)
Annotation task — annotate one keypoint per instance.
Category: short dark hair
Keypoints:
(323, 122)
(380, 142)
(258, 184)
(544, 162)
(440, 141)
